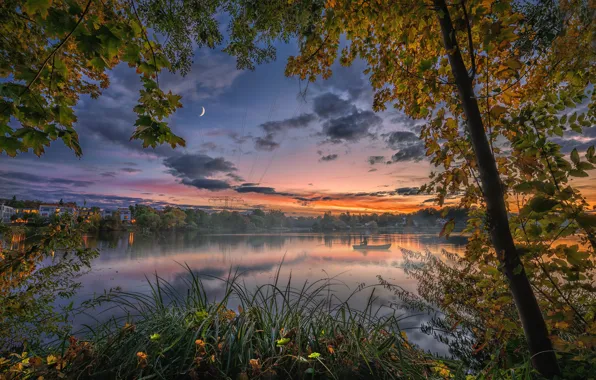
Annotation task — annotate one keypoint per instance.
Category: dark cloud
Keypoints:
(329, 105)
(207, 184)
(407, 190)
(130, 170)
(108, 174)
(256, 189)
(302, 121)
(409, 153)
(272, 128)
(208, 145)
(195, 166)
(372, 170)
(37, 179)
(396, 140)
(375, 159)
(329, 157)
(235, 177)
(129, 163)
(266, 143)
(351, 128)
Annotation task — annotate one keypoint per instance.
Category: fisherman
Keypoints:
(365, 240)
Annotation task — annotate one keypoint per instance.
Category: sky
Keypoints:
(259, 143)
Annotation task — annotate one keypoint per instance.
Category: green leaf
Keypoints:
(447, 228)
(578, 173)
(575, 156)
(37, 6)
(10, 145)
(542, 204)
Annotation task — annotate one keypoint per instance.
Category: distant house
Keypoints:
(47, 210)
(6, 213)
(124, 212)
(23, 211)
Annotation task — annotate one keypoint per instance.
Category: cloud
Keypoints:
(329, 157)
(194, 169)
(396, 140)
(196, 166)
(375, 159)
(351, 128)
(108, 174)
(210, 76)
(407, 190)
(273, 128)
(130, 170)
(329, 105)
(372, 170)
(409, 153)
(266, 143)
(207, 184)
(37, 179)
(297, 122)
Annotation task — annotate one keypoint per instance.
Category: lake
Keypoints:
(126, 258)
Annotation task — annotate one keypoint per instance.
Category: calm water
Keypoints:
(126, 258)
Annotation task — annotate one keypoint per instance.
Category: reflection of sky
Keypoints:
(127, 258)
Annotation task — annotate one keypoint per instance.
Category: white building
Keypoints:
(47, 210)
(124, 212)
(6, 212)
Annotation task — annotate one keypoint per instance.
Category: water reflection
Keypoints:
(126, 258)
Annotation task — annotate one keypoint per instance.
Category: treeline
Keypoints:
(148, 218)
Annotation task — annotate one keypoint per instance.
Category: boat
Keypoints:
(371, 247)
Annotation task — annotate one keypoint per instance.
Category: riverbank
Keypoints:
(279, 331)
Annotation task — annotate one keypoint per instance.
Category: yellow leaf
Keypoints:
(497, 111)
(513, 64)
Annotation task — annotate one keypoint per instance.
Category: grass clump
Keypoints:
(274, 332)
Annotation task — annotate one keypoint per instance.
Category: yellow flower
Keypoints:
(314, 355)
(155, 336)
(51, 359)
(283, 342)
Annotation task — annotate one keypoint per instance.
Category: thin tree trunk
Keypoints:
(543, 356)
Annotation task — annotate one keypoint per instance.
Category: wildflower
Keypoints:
(283, 342)
(442, 370)
(314, 355)
(254, 363)
(200, 343)
(330, 349)
(128, 327)
(142, 358)
(155, 336)
(212, 358)
(141, 355)
(51, 359)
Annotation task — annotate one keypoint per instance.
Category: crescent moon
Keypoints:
(203, 112)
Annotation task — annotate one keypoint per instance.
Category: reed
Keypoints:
(276, 331)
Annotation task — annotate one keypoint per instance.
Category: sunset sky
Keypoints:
(258, 141)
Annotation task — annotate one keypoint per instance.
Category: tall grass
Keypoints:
(278, 331)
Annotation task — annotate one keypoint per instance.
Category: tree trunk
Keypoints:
(543, 356)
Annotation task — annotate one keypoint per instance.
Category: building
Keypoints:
(47, 210)
(6, 213)
(123, 212)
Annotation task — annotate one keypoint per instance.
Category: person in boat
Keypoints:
(364, 241)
